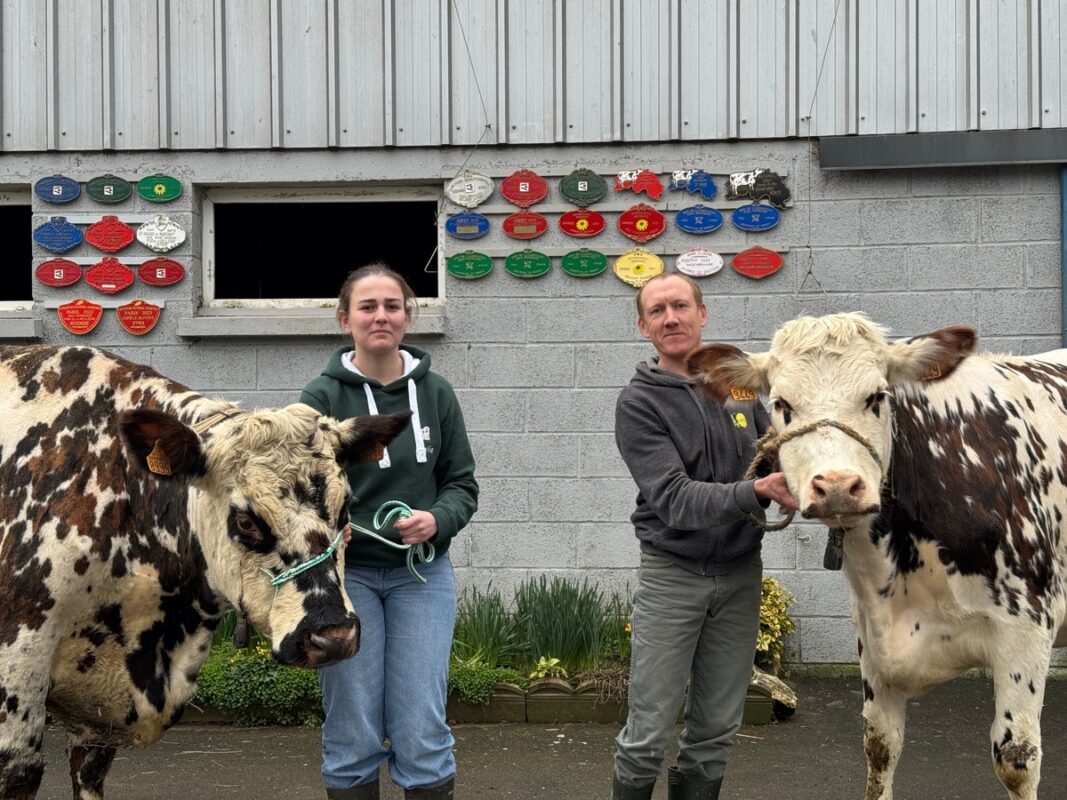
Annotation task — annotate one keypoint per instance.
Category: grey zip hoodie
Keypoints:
(687, 455)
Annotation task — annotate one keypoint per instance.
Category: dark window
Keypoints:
(17, 242)
(275, 251)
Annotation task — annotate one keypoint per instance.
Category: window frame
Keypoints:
(281, 194)
(20, 197)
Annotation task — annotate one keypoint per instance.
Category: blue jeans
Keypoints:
(396, 686)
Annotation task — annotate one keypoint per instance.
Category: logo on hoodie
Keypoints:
(740, 421)
(426, 433)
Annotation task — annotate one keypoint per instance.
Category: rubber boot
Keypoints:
(442, 791)
(622, 791)
(365, 791)
(682, 786)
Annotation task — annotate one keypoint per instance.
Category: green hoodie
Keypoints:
(440, 481)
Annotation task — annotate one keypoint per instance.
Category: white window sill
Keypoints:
(20, 326)
(236, 322)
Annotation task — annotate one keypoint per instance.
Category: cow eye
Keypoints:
(875, 400)
(783, 408)
(248, 527)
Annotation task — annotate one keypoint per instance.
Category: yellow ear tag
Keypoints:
(931, 374)
(158, 461)
(738, 393)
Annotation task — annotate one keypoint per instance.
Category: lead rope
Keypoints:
(423, 551)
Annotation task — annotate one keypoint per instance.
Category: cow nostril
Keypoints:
(857, 486)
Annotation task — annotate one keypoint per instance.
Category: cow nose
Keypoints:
(837, 493)
(327, 645)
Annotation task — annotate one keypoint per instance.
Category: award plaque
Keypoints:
(59, 272)
(583, 187)
(110, 234)
(108, 189)
(469, 265)
(584, 263)
(769, 185)
(694, 180)
(161, 234)
(756, 217)
(469, 190)
(57, 235)
(641, 180)
(467, 225)
(637, 267)
(698, 262)
(524, 188)
(527, 264)
(757, 262)
(79, 316)
(159, 188)
(581, 223)
(57, 189)
(698, 219)
(525, 225)
(642, 223)
(138, 317)
(160, 272)
(109, 276)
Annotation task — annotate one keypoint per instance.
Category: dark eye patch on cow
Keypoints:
(250, 530)
(313, 494)
(874, 402)
(786, 410)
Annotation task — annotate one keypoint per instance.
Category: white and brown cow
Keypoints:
(112, 578)
(948, 474)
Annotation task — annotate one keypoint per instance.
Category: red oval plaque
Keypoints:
(642, 223)
(138, 317)
(160, 272)
(80, 316)
(524, 188)
(109, 276)
(59, 272)
(110, 234)
(757, 262)
(581, 223)
(525, 225)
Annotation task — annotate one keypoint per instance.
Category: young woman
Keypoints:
(396, 685)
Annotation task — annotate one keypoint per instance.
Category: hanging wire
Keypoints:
(810, 274)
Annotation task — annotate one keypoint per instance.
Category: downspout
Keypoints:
(1063, 248)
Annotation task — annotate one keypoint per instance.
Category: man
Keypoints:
(696, 609)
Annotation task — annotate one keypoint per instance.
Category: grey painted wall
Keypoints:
(537, 364)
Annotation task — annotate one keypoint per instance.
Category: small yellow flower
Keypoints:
(641, 225)
(582, 225)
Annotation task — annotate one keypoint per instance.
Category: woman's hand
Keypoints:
(420, 527)
(774, 487)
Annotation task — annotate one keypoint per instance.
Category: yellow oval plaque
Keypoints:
(637, 267)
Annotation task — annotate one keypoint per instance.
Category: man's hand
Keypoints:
(773, 487)
(421, 526)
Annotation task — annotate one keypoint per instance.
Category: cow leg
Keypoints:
(22, 722)
(1019, 684)
(883, 731)
(90, 760)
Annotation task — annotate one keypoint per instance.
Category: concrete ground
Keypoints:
(816, 754)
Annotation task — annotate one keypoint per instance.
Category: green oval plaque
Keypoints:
(527, 264)
(108, 189)
(159, 188)
(469, 265)
(584, 263)
(583, 187)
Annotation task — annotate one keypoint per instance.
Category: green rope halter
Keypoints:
(284, 577)
(423, 551)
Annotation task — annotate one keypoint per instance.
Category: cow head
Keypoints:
(838, 368)
(270, 494)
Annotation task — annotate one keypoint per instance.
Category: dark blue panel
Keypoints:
(756, 217)
(698, 219)
(468, 225)
(58, 235)
(57, 189)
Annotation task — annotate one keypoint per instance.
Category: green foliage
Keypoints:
(618, 634)
(548, 668)
(473, 681)
(562, 619)
(774, 624)
(484, 629)
(258, 690)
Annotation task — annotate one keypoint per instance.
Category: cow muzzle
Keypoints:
(314, 647)
(838, 494)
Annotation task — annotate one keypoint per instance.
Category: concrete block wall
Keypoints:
(538, 363)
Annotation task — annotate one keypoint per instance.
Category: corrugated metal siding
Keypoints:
(201, 74)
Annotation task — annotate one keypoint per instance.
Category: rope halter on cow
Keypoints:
(423, 551)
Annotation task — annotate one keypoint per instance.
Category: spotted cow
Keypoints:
(134, 512)
(946, 475)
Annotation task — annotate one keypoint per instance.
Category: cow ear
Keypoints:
(161, 443)
(722, 370)
(363, 438)
(930, 357)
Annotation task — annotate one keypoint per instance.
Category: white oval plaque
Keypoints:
(469, 190)
(161, 234)
(698, 262)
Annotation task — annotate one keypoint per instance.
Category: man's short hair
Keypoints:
(698, 294)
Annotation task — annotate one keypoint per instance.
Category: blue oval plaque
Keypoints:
(468, 225)
(698, 219)
(57, 189)
(756, 217)
(57, 235)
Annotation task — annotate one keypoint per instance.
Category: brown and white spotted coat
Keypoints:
(112, 578)
(954, 551)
